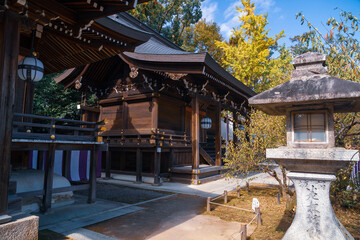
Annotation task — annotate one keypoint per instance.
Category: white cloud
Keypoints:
(208, 9)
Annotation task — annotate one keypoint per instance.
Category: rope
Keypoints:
(252, 220)
(232, 207)
(217, 197)
(237, 235)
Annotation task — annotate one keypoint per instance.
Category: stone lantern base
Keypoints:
(315, 217)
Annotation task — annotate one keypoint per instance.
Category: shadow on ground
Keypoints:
(156, 217)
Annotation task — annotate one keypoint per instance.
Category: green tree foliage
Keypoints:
(247, 53)
(259, 131)
(51, 99)
(202, 37)
(341, 45)
(169, 17)
(248, 56)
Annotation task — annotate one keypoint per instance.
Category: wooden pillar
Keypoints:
(92, 175)
(67, 164)
(171, 158)
(236, 126)
(195, 131)
(157, 164)
(138, 165)
(154, 113)
(108, 164)
(218, 136)
(243, 231)
(9, 51)
(48, 178)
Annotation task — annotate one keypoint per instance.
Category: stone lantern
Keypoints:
(309, 101)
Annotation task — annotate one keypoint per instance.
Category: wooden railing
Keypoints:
(147, 138)
(29, 126)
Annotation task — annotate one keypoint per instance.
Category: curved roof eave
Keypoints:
(152, 61)
(123, 30)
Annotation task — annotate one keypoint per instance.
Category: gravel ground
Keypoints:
(123, 194)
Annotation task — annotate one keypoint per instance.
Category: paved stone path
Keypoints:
(176, 217)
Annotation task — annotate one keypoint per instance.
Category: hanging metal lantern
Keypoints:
(31, 69)
(206, 123)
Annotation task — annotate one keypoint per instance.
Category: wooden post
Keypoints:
(225, 196)
(238, 191)
(243, 231)
(138, 165)
(40, 161)
(67, 164)
(258, 216)
(208, 209)
(171, 158)
(92, 176)
(108, 164)
(9, 51)
(48, 178)
(218, 136)
(157, 162)
(195, 131)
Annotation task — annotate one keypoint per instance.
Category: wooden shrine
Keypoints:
(67, 34)
(152, 100)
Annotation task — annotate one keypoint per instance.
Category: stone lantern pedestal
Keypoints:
(315, 217)
(309, 101)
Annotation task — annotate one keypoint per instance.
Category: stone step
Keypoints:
(14, 204)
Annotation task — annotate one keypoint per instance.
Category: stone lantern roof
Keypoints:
(310, 85)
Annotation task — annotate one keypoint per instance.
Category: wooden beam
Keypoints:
(217, 123)
(195, 131)
(92, 176)
(138, 165)
(48, 179)
(9, 51)
(56, 8)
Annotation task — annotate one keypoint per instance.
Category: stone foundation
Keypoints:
(25, 228)
(315, 217)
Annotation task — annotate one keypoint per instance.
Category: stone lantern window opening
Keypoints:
(310, 127)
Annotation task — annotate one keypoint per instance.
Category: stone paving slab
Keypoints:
(201, 227)
(80, 214)
(210, 189)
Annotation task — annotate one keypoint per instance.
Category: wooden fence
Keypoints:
(243, 228)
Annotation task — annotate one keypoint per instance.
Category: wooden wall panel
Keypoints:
(182, 158)
(113, 114)
(170, 114)
(139, 115)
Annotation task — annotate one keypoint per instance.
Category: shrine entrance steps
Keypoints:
(205, 173)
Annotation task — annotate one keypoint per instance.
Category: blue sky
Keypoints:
(281, 14)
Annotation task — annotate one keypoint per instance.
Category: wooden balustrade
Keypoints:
(147, 138)
(30, 126)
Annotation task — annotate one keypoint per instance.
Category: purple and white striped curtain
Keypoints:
(79, 164)
(355, 174)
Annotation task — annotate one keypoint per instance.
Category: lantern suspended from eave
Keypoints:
(31, 69)
(206, 123)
